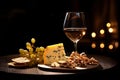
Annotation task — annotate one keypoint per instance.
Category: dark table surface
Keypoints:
(106, 63)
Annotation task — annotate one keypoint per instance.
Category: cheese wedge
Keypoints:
(54, 53)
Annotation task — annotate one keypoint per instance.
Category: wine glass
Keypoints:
(74, 27)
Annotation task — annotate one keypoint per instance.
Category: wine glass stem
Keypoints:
(75, 45)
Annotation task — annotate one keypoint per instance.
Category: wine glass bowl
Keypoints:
(74, 26)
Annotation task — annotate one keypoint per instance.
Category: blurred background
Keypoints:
(21, 20)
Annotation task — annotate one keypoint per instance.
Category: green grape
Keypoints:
(37, 49)
(33, 40)
(32, 56)
(42, 48)
(35, 54)
(39, 54)
(21, 50)
(30, 49)
(28, 44)
(26, 53)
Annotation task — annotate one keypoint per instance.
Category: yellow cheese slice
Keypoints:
(54, 53)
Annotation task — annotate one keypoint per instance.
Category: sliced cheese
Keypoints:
(54, 53)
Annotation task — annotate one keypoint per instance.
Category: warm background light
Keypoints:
(116, 44)
(83, 32)
(108, 24)
(102, 45)
(93, 45)
(102, 31)
(110, 46)
(110, 30)
(93, 34)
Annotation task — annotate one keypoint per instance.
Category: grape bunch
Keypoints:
(35, 54)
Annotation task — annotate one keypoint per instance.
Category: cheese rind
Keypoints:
(54, 53)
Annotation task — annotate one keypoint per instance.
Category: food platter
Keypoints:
(74, 63)
(62, 69)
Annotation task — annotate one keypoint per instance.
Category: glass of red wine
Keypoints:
(74, 26)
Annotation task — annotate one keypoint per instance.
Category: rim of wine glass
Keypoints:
(75, 12)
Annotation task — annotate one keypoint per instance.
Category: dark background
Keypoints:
(20, 20)
(43, 20)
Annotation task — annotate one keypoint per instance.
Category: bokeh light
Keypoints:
(110, 30)
(93, 45)
(102, 45)
(102, 31)
(116, 44)
(84, 32)
(110, 46)
(108, 24)
(93, 34)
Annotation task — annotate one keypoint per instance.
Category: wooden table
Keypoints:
(105, 62)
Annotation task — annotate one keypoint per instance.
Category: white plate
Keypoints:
(77, 69)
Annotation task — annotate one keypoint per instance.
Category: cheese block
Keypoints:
(54, 53)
